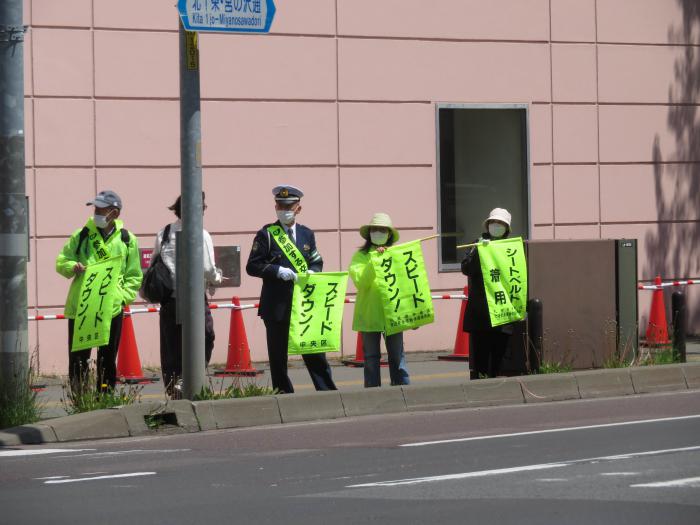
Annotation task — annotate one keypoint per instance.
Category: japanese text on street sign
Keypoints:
(317, 312)
(97, 295)
(250, 16)
(504, 270)
(403, 286)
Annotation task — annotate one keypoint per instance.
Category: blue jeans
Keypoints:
(397, 360)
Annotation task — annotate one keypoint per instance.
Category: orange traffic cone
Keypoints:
(128, 362)
(461, 350)
(359, 359)
(238, 358)
(657, 330)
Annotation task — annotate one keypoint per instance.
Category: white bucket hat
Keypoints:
(500, 215)
(381, 220)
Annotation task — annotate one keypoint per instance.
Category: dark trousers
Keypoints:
(316, 364)
(106, 358)
(486, 351)
(171, 342)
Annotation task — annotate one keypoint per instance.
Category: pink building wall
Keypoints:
(340, 100)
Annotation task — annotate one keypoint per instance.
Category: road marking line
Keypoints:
(113, 476)
(535, 432)
(620, 473)
(685, 482)
(552, 480)
(40, 451)
(124, 452)
(514, 470)
(51, 477)
(461, 475)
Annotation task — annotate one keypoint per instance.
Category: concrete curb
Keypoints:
(154, 418)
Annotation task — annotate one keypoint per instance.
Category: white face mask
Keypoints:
(379, 238)
(101, 221)
(496, 229)
(286, 217)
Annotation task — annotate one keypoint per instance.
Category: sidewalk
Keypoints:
(424, 367)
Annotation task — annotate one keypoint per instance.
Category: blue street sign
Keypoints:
(227, 16)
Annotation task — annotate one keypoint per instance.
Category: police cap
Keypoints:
(287, 194)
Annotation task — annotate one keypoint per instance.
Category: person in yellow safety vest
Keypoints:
(83, 249)
(368, 318)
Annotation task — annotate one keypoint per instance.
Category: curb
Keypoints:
(154, 418)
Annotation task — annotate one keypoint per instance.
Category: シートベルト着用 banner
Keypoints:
(504, 269)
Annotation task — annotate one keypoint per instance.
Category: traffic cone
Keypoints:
(461, 349)
(128, 362)
(657, 330)
(238, 358)
(359, 360)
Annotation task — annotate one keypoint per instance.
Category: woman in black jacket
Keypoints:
(487, 344)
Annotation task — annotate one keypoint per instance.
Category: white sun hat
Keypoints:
(380, 220)
(500, 215)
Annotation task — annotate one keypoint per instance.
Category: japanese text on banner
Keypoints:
(404, 287)
(504, 269)
(317, 312)
(97, 295)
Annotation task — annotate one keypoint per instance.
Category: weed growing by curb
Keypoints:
(19, 404)
(551, 367)
(237, 389)
(89, 396)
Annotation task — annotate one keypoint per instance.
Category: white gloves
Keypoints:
(484, 242)
(310, 271)
(286, 274)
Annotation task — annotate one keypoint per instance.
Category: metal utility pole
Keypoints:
(14, 245)
(190, 276)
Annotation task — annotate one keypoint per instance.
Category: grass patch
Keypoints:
(660, 356)
(19, 404)
(551, 367)
(89, 396)
(237, 389)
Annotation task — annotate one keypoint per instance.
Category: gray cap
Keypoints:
(106, 199)
(287, 194)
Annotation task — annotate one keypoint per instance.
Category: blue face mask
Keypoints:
(497, 230)
(379, 238)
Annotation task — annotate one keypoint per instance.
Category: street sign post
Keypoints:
(227, 16)
(222, 16)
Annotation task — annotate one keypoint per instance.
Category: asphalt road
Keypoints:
(624, 460)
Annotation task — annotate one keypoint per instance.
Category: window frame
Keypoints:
(455, 267)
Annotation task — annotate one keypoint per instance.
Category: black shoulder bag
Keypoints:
(158, 283)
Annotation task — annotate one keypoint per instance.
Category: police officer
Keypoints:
(102, 236)
(278, 269)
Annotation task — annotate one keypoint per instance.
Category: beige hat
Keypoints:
(500, 215)
(382, 220)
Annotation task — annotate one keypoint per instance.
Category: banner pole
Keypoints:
(431, 237)
(460, 246)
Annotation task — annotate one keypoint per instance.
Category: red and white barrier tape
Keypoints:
(212, 306)
(667, 284)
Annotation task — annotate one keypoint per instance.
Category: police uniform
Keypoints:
(265, 261)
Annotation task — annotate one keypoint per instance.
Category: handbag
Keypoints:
(158, 285)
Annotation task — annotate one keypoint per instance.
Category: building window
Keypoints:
(482, 164)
